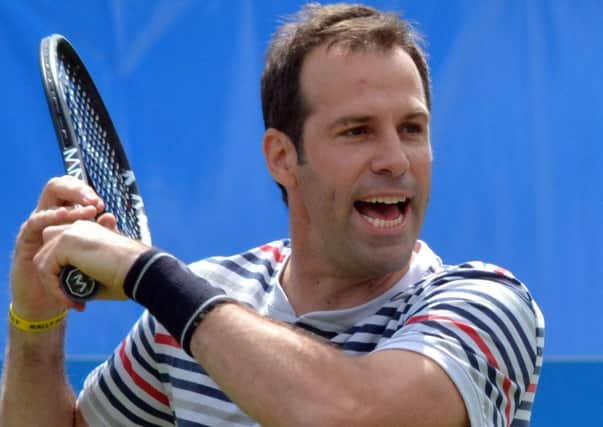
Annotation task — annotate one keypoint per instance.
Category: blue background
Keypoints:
(517, 119)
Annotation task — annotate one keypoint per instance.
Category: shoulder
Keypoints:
(486, 308)
(479, 290)
(482, 325)
(480, 306)
(477, 279)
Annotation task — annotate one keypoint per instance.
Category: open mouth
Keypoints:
(383, 212)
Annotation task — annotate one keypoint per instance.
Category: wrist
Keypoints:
(31, 301)
(172, 293)
(36, 312)
(34, 325)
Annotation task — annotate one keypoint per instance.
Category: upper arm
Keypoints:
(410, 389)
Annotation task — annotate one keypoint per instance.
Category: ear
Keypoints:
(281, 157)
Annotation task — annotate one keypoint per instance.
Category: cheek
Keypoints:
(421, 171)
(426, 172)
(421, 164)
(326, 201)
(315, 188)
(329, 173)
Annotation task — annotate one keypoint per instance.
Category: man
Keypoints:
(351, 322)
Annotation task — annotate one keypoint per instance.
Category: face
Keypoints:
(362, 191)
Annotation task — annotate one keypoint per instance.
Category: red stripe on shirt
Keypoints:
(506, 388)
(469, 330)
(138, 380)
(276, 253)
(166, 339)
(503, 271)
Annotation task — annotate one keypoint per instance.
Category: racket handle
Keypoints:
(77, 285)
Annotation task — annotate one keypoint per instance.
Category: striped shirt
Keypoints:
(475, 320)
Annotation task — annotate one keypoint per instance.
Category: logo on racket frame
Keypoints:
(73, 163)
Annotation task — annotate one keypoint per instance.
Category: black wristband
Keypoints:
(176, 296)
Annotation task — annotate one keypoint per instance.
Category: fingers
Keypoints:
(63, 200)
(32, 228)
(93, 248)
(68, 191)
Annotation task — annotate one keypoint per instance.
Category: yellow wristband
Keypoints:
(34, 326)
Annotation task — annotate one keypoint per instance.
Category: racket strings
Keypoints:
(103, 168)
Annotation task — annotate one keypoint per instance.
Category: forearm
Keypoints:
(35, 390)
(277, 374)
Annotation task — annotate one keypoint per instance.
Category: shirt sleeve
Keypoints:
(487, 334)
(127, 389)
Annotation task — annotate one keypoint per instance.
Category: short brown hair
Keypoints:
(354, 27)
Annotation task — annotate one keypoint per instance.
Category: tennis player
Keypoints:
(352, 321)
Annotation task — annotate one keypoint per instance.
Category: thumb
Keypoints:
(108, 220)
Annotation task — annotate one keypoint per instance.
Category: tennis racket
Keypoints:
(90, 148)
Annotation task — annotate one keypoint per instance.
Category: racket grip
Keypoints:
(77, 285)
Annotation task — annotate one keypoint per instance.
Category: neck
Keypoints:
(312, 288)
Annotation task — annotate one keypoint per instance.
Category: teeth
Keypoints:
(386, 200)
(383, 223)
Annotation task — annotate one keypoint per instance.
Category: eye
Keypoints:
(355, 131)
(412, 128)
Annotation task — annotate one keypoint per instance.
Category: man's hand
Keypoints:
(63, 201)
(95, 248)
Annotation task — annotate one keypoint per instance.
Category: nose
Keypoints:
(389, 157)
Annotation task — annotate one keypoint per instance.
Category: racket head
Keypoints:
(90, 146)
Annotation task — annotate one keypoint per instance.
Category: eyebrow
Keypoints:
(419, 114)
(363, 119)
(350, 120)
